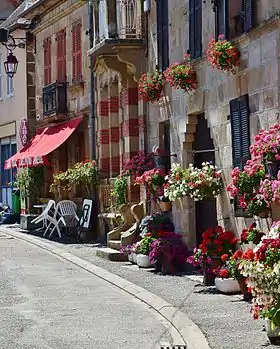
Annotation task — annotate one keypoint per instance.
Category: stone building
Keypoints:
(225, 110)
(60, 77)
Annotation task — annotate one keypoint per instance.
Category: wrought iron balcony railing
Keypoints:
(55, 99)
(118, 19)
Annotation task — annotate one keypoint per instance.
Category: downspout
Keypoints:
(92, 143)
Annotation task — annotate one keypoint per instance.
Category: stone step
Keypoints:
(110, 254)
(115, 244)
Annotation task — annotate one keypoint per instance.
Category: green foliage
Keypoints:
(120, 190)
(29, 181)
(144, 246)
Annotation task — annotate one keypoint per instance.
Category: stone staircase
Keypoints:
(124, 235)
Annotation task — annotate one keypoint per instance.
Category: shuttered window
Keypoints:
(240, 129)
(47, 61)
(162, 34)
(195, 28)
(77, 52)
(221, 18)
(240, 15)
(61, 56)
(248, 8)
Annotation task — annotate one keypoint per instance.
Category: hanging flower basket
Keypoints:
(150, 86)
(182, 75)
(222, 55)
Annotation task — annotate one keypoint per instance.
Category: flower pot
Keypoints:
(133, 258)
(143, 261)
(273, 332)
(272, 168)
(165, 206)
(229, 285)
(130, 258)
(209, 276)
(244, 289)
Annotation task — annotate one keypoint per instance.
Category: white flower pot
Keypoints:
(273, 332)
(133, 257)
(130, 258)
(143, 261)
(229, 285)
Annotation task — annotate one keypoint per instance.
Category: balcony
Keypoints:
(118, 24)
(55, 101)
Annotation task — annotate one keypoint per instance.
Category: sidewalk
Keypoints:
(225, 320)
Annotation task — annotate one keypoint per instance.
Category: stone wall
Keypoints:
(257, 77)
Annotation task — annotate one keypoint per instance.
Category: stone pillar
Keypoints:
(114, 129)
(104, 132)
(130, 128)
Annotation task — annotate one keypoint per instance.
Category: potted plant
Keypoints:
(128, 250)
(176, 185)
(138, 164)
(199, 259)
(251, 236)
(150, 86)
(222, 55)
(245, 188)
(182, 75)
(142, 252)
(165, 204)
(168, 253)
(267, 148)
(154, 181)
(155, 223)
(226, 280)
(262, 271)
(119, 191)
(215, 243)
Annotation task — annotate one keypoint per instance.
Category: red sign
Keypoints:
(23, 131)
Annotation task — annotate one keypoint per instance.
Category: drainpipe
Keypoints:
(92, 144)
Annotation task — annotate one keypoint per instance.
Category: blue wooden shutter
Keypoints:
(240, 128)
(163, 34)
(198, 28)
(248, 14)
(191, 28)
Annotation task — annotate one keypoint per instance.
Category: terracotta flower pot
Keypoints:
(165, 206)
(244, 289)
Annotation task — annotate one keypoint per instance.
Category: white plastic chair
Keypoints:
(65, 213)
(43, 217)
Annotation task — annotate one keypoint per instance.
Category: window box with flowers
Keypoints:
(150, 86)
(182, 75)
(222, 55)
(154, 181)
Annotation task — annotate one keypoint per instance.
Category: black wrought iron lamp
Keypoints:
(11, 63)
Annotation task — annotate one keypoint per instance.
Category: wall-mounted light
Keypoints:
(11, 65)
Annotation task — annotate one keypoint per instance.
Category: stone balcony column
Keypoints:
(114, 129)
(96, 22)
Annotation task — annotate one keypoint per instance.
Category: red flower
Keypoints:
(224, 273)
(237, 255)
(224, 257)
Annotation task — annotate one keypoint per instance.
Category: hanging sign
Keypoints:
(23, 131)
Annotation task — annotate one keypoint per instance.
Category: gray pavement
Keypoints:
(225, 320)
(48, 303)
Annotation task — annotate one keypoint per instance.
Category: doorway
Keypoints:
(204, 150)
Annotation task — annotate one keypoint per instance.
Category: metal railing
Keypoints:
(122, 22)
(55, 99)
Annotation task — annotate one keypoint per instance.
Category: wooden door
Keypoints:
(205, 210)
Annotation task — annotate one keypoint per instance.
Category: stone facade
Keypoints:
(258, 77)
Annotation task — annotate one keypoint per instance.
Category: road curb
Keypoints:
(188, 330)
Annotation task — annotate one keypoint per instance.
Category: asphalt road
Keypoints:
(48, 303)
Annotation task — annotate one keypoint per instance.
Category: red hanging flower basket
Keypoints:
(222, 55)
(182, 75)
(150, 86)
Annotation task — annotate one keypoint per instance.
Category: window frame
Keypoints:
(195, 36)
(162, 34)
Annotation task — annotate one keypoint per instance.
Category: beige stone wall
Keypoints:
(258, 76)
(58, 18)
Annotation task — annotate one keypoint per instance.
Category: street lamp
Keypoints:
(11, 65)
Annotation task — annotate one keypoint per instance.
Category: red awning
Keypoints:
(43, 143)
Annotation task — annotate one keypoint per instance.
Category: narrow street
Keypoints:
(48, 303)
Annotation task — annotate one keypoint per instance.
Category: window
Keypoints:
(162, 34)
(77, 52)
(10, 86)
(195, 28)
(61, 56)
(47, 61)
(240, 130)
(1, 76)
(232, 18)
(164, 144)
